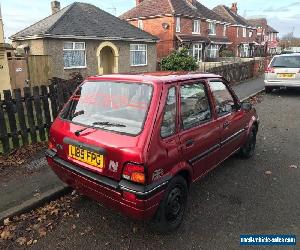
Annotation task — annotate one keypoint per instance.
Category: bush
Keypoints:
(179, 60)
(226, 53)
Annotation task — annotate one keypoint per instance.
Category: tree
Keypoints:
(179, 60)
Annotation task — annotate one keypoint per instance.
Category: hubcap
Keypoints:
(174, 204)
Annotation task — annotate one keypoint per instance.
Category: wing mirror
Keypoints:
(247, 106)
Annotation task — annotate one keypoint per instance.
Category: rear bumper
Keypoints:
(110, 192)
(274, 83)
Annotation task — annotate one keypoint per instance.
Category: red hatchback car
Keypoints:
(136, 142)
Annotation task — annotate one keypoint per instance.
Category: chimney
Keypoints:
(234, 8)
(55, 6)
(137, 2)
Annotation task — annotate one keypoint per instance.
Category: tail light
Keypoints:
(270, 70)
(134, 173)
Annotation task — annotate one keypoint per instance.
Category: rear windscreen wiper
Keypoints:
(106, 124)
(109, 124)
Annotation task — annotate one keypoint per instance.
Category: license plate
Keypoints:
(88, 157)
(286, 75)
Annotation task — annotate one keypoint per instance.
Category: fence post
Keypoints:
(3, 130)
(30, 114)
(53, 99)
(11, 118)
(21, 116)
(46, 107)
(38, 112)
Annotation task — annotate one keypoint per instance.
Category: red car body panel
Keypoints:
(191, 152)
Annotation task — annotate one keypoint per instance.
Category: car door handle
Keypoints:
(226, 124)
(189, 143)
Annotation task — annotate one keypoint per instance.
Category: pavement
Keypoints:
(260, 195)
(25, 192)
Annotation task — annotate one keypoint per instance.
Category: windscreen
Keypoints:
(286, 62)
(116, 106)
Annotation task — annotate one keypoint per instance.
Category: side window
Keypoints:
(168, 126)
(195, 107)
(223, 99)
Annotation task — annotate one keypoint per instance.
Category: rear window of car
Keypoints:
(286, 62)
(116, 106)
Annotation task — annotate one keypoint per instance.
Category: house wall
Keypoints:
(236, 41)
(54, 47)
(36, 46)
(166, 37)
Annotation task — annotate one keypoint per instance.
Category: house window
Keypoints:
(250, 33)
(196, 26)
(177, 24)
(74, 55)
(213, 51)
(212, 28)
(224, 30)
(140, 24)
(245, 50)
(237, 31)
(244, 32)
(138, 54)
(197, 51)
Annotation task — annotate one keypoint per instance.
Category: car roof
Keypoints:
(156, 77)
(289, 54)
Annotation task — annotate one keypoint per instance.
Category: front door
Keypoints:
(230, 119)
(107, 60)
(199, 134)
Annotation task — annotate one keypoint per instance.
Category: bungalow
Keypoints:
(240, 32)
(181, 23)
(83, 38)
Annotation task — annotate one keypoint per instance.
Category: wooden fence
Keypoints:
(27, 117)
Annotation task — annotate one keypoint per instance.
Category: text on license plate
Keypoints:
(286, 75)
(86, 156)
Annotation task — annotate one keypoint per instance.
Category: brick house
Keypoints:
(83, 38)
(241, 33)
(181, 23)
(267, 36)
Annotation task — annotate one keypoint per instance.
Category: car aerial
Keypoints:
(135, 143)
(283, 72)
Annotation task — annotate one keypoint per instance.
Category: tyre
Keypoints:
(247, 151)
(268, 89)
(169, 214)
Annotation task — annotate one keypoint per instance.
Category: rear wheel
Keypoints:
(247, 151)
(268, 89)
(169, 214)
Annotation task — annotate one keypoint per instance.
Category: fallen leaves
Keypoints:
(293, 166)
(20, 156)
(26, 229)
(268, 172)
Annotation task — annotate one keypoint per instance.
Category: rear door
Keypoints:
(231, 120)
(199, 133)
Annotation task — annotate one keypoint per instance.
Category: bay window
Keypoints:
(138, 54)
(74, 55)
(213, 51)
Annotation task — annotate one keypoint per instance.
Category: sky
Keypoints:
(284, 16)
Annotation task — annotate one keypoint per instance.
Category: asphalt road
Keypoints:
(236, 198)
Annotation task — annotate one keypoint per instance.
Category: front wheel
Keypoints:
(169, 214)
(247, 151)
